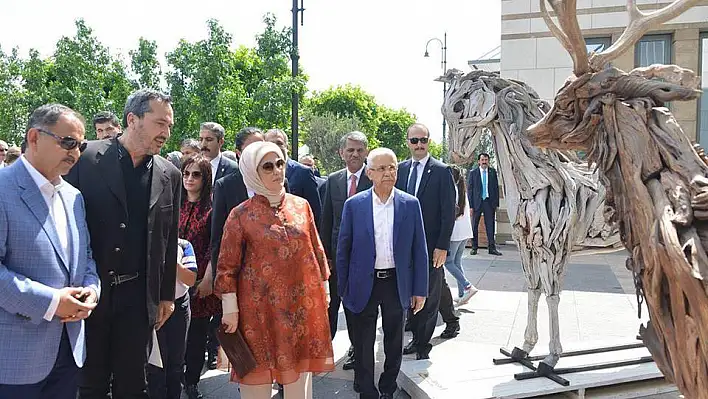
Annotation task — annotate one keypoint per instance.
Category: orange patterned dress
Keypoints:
(272, 258)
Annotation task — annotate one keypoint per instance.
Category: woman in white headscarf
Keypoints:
(272, 277)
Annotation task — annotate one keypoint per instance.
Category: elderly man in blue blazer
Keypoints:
(48, 277)
(382, 261)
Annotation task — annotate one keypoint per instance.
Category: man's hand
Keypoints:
(70, 307)
(439, 256)
(230, 322)
(164, 311)
(204, 289)
(417, 303)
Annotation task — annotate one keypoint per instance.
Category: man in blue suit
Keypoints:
(301, 179)
(48, 277)
(381, 261)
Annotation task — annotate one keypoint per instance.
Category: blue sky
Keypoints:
(376, 44)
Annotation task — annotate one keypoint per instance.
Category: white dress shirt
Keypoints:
(421, 169)
(358, 176)
(215, 167)
(52, 196)
(383, 231)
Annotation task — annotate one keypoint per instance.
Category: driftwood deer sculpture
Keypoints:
(655, 180)
(555, 202)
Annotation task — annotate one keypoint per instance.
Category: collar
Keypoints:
(423, 161)
(357, 173)
(123, 152)
(377, 200)
(41, 181)
(215, 162)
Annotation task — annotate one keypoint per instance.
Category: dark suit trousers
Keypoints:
(196, 345)
(488, 211)
(166, 382)
(423, 323)
(334, 301)
(61, 383)
(384, 294)
(447, 307)
(117, 338)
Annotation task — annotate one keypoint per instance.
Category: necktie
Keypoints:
(352, 185)
(484, 184)
(413, 179)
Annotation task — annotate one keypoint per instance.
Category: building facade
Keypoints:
(530, 53)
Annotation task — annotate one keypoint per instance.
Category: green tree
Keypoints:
(347, 101)
(145, 64)
(321, 133)
(392, 130)
(12, 110)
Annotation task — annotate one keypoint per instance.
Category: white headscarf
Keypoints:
(248, 164)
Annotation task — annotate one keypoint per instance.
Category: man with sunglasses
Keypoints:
(132, 204)
(47, 272)
(431, 182)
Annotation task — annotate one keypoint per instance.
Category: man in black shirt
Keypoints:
(132, 200)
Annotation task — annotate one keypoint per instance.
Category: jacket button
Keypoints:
(122, 225)
(116, 249)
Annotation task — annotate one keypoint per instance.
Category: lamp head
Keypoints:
(426, 54)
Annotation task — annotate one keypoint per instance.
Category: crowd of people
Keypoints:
(118, 266)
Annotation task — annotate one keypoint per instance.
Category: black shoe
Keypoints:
(422, 356)
(193, 392)
(450, 332)
(350, 352)
(386, 396)
(410, 348)
(495, 252)
(407, 327)
(349, 364)
(474, 251)
(357, 388)
(211, 361)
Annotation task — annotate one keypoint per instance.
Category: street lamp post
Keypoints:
(443, 64)
(295, 58)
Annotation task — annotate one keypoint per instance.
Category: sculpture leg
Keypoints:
(554, 346)
(531, 334)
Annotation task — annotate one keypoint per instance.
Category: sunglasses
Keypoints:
(68, 143)
(415, 140)
(196, 174)
(269, 167)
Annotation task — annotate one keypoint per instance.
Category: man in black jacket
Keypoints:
(483, 194)
(340, 185)
(132, 200)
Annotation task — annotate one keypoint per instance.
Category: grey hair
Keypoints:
(230, 155)
(278, 131)
(48, 115)
(357, 136)
(191, 143)
(4, 144)
(306, 156)
(176, 158)
(378, 152)
(214, 128)
(138, 103)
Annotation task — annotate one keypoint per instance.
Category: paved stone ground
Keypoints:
(587, 302)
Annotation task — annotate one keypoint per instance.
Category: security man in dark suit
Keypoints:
(431, 182)
(483, 194)
(340, 185)
(132, 200)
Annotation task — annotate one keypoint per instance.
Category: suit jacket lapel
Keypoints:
(69, 203)
(369, 215)
(109, 164)
(34, 200)
(342, 185)
(397, 216)
(426, 176)
(364, 182)
(159, 182)
(404, 175)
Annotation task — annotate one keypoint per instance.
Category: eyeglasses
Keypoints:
(68, 143)
(415, 140)
(384, 169)
(269, 167)
(196, 174)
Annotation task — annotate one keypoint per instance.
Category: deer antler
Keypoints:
(569, 33)
(639, 24)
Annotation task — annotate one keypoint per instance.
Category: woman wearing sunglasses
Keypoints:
(195, 227)
(272, 277)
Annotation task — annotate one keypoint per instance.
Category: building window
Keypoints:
(653, 49)
(703, 100)
(597, 44)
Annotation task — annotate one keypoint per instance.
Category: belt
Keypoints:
(118, 279)
(385, 273)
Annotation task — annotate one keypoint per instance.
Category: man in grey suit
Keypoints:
(211, 139)
(48, 277)
(340, 185)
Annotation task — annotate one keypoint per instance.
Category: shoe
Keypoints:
(386, 396)
(474, 251)
(211, 361)
(357, 388)
(193, 392)
(407, 327)
(350, 352)
(450, 332)
(469, 293)
(410, 348)
(495, 252)
(419, 356)
(349, 364)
